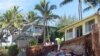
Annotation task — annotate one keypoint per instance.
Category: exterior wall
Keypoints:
(84, 29)
(81, 23)
(98, 18)
(89, 44)
(65, 35)
(74, 32)
(9, 39)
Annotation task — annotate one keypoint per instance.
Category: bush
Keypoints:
(12, 50)
(33, 42)
(6, 47)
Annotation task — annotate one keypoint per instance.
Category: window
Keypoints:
(89, 26)
(70, 34)
(79, 31)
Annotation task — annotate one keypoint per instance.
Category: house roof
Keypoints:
(78, 22)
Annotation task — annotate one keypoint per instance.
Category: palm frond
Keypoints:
(98, 9)
(54, 16)
(92, 4)
(86, 9)
(46, 9)
(52, 7)
(65, 2)
(31, 16)
(39, 20)
(39, 8)
(11, 17)
(47, 6)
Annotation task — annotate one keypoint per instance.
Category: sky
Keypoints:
(28, 5)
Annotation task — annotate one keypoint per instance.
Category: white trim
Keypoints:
(96, 20)
(84, 28)
(65, 35)
(74, 33)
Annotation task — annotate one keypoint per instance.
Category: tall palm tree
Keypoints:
(92, 3)
(79, 6)
(46, 14)
(12, 19)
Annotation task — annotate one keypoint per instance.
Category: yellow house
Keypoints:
(80, 28)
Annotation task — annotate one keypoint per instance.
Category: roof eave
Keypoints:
(64, 28)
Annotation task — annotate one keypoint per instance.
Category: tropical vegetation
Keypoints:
(66, 20)
(46, 11)
(92, 4)
(12, 19)
(12, 50)
(31, 17)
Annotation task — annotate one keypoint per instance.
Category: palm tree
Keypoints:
(79, 6)
(92, 3)
(31, 17)
(46, 14)
(12, 19)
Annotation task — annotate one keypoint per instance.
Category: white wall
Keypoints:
(84, 30)
(9, 41)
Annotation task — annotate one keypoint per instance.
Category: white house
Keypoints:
(80, 28)
(7, 38)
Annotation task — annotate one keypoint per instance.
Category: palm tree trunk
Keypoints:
(80, 9)
(44, 25)
(48, 31)
(44, 34)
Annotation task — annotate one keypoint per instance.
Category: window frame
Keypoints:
(70, 33)
(88, 25)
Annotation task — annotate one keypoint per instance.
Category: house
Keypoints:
(83, 35)
(28, 33)
(80, 28)
(6, 38)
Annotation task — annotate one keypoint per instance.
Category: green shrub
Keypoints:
(6, 47)
(12, 50)
(33, 42)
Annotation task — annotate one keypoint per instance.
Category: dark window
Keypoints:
(79, 31)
